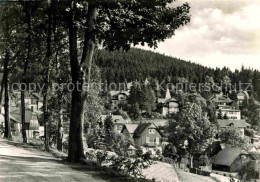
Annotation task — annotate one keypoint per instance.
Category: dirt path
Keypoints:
(19, 164)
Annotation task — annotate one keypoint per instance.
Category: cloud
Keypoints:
(223, 31)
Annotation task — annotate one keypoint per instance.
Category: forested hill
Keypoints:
(137, 64)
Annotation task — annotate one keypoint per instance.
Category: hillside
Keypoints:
(137, 64)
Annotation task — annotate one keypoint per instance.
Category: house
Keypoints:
(230, 160)
(31, 120)
(219, 100)
(226, 123)
(15, 124)
(147, 134)
(118, 97)
(32, 100)
(168, 105)
(242, 96)
(143, 134)
(118, 120)
(230, 111)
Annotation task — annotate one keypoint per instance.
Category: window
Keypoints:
(147, 139)
(151, 130)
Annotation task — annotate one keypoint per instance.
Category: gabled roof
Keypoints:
(130, 128)
(115, 118)
(141, 127)
(224, 123)
(157, 122)
(221, 99)
(243, 93)
(115, 92)
(226, 156)
(165, 100)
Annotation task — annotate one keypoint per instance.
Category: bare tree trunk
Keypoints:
(191, 161)
(6, 105)
(47, 80)
(1, 94)
(29, 49)
(79, 74)
(60, 124)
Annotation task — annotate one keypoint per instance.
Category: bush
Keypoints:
(101, 157)
(130, 166)
(158, 152)
(249, 132)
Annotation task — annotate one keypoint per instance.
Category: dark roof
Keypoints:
(130, 128)
(226, 156)
(221, 99)
(141, 127)
(157, 122)
(165, 100)
(224, 123)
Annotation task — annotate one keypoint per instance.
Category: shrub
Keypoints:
(158, 152)
(249, 132)
(130, 166)
(101, 157)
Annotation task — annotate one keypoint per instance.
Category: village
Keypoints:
(150, 135)
(136, 90)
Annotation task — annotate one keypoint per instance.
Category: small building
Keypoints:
(226, 123)
(131, 150)
(231, 112)
(219, 100)
(230, 160)
(31, 120)
(118, 97)
(147, 134)
(242, 96)
(168, 105)
(118, 121)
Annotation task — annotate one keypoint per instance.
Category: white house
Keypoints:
(168, 105)
(231, 112)
(226, 123)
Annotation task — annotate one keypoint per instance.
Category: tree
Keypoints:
(101, 25)
(9, 51)
(250, 110)
(192, 132)
(220, 116)
(134, 112)
(170, 151)
(225, 116)
(232, 137)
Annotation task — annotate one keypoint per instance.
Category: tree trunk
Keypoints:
(78, 73)
(60, 124)
(1, 94)
(29, 49)
(47, 80)
(6, 105)
(191, 161)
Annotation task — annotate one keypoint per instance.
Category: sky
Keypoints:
(220, 33)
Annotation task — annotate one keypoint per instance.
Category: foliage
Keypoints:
(250, 171)
(250, 110)
(170, 151)
(220, 114)
(231, 136)
(249, 132)
(101, 157)
(191, 132)
(130, 166)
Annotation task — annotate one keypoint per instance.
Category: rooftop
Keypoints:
(224, 123)
(226, 156)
